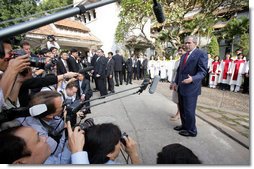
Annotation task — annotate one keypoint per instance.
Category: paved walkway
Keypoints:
(145, 118)
(228, 111)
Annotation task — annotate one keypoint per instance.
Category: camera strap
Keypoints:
(50, 130)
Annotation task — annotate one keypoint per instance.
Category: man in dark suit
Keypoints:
(73, 60)
(93, 62)
(118, 67)
(84, 91)
(62, 64)
(100, 72)
(191, 71)
(110, 72)
(129, 70)
(145, 63)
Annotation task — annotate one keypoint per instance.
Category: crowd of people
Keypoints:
(230, 73)
(47, 82)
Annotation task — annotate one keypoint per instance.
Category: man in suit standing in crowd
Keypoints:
(100, 72)
(129, 70)
(93, 62)
(62, 65)
(73, 61)
(118, 67)
(192, 69)
(110, 72)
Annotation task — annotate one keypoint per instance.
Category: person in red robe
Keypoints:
(237, 71)
(224, 77)
(214, 72)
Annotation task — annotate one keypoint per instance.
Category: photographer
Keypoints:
(32, 148)
(51, 125)
(103, 144)
(52, 42)
(11, 68)
(40, 82)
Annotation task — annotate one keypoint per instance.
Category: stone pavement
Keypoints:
(145, 118)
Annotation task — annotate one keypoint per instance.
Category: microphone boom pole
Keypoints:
(36, 23)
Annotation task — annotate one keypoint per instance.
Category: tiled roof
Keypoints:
(47, 30)
(71, 24)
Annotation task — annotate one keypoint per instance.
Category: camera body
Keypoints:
(51, 38)
(72, 108)
(87, 124)
(122, 138)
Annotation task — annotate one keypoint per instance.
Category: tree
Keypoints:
(52, 4)
(133, 16)
(234, 29)
(177, 25)
(213, 47)
(12, 9)
(245, 43)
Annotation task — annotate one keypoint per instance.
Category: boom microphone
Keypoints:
(157, 9)
(8, 115)
(154, 84)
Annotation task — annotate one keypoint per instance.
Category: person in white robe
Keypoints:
(214, 72)
(163, 69)
(224, 77)
(151, 67)
(170, 68)
(237, 71)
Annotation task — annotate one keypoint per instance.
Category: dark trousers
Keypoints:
(96, 83)
(102, 85)
(187, 107)
(110, 84)
(124, 74)
(144, 73)
(129, 77)
(87, 97)
(135, 73)
(120, 77)
(246, 85)
(205, 81)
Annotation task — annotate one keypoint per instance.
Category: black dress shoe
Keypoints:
(178, 128)
(126, 83)
(187, 134)
(117, 85)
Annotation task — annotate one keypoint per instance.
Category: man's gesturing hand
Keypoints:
(188, 80)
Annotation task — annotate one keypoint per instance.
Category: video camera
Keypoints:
(34, 60)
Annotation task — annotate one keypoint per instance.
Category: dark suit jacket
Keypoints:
(110, 67)
(100, 66)
(93, 60)
(118, 62)
(145, 63)
(85, 88)
(129, 65)
(60, 69)
(195, 66)
(73, 65)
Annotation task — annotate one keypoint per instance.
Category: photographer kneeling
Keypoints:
(103, 144)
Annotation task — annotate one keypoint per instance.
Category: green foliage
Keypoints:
(52, 4)
(236, 26)
(213, 47)
(245, 43)
(133, 15)
(12, 9)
